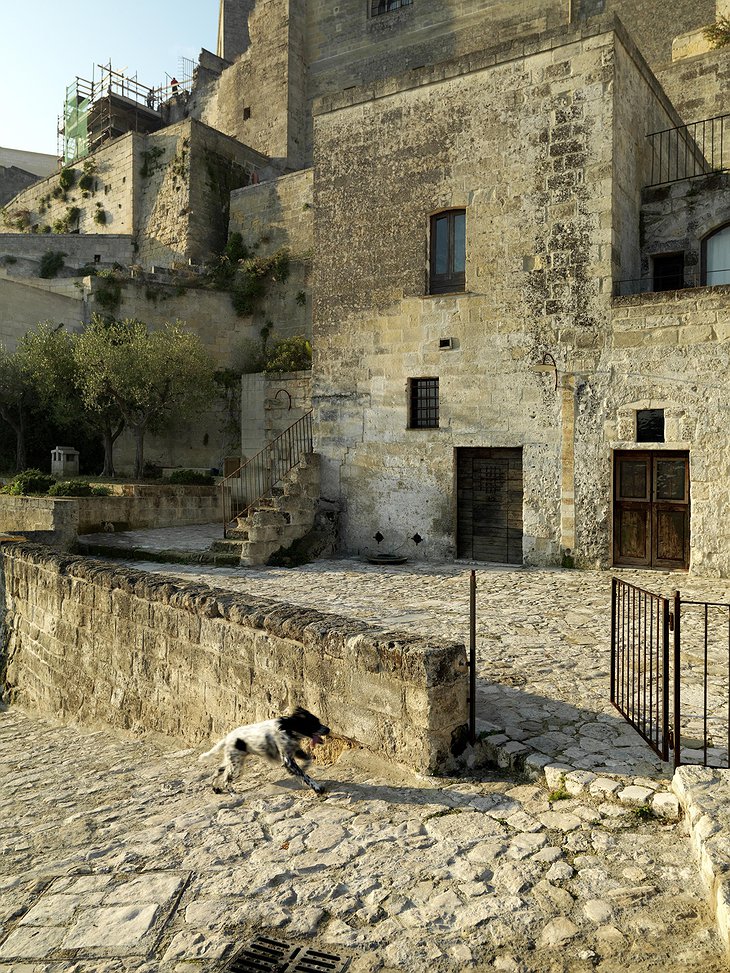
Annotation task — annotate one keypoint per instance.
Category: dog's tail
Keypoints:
(215, 749)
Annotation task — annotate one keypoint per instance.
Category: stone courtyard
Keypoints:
(571, 855)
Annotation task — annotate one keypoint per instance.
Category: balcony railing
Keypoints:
(693, 150)
(657, 284)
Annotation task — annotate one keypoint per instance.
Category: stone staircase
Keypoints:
(285, 515)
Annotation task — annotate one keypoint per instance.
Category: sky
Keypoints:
(45, 44)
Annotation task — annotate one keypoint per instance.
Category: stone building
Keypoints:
(517, 222)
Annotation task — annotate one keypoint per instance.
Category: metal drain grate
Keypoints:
(271, 956)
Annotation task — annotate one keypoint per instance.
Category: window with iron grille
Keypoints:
(378, 7)
(424, 403)
(448, 252)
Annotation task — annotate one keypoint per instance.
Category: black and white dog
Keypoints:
(277, 741)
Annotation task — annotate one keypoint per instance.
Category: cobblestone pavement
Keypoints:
(116, 856)
(543, 638)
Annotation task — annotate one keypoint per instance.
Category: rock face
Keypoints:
(92, 642)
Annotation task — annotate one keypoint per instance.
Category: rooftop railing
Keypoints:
(693, 150)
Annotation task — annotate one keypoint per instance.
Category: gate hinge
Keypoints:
(671, 621)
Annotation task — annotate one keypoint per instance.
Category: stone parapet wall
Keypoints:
(154, 506)
(148, 653)
(77, 249)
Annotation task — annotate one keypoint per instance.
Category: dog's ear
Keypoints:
(301, 713)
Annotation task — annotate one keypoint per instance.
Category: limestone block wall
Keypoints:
(149, 653)
(275, 214)
(23, 303)
(12, 181)
(78, 250)
(525, 147)
(132, 507)
(667, 350)
(42, 205)
(698, 85)
(270, 404)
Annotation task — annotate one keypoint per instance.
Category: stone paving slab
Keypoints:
(117, 857)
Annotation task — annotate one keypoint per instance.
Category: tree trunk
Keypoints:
(110, 437)
(139, 452)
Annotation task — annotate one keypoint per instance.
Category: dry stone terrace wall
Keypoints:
(89, 642)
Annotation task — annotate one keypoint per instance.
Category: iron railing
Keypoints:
(256, 479)
(641, 623)
(670, 282)
(697, 149)
(703, 707)
(640, 662)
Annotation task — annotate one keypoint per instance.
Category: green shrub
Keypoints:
(100, 217)
(191, 478)
(100, 491)
(289, 355)
(51, 263)
(86, 183)
(31, 483)
(66, 179)
(70, 488)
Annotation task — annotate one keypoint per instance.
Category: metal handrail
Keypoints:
(255, 479)
(689, 151)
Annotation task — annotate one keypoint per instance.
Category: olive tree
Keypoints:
(151, 376)
(16, 398)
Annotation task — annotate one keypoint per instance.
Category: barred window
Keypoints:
(378, 7)
(424, 403)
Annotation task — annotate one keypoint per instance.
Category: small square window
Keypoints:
(424, 403)
(650, 425)
(378, 7)
(668, 271)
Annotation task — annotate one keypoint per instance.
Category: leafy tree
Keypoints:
(16, 397)
(152, 377)
(48, 352)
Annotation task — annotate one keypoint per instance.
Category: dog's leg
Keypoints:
(230, 769)
(292, 767)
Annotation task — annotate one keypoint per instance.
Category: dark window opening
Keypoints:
(378, 7)
(668, 271)
(650, 425)
(424, 403)
(448, 252)
(246, 114)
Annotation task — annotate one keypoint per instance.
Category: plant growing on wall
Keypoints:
(150, 159)
(153, 377)
(108, 292)
(719, 33)
(100, 215)
(51, 262)
(289, 355)
(254, 277)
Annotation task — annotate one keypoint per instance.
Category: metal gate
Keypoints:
(662, 646)
(640, 624)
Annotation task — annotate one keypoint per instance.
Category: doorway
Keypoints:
(651, 509)
(489, 505)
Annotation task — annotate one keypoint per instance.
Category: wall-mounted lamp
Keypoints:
(546, 366)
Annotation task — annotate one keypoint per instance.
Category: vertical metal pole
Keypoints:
(614, 582)
(473, 657)
(665, 680)
(677, 681)
(704, 695)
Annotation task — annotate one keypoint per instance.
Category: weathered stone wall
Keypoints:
(668, 350)
(132, 507)
(679, 216)
(526, 147)
(270, 216)
(90, 642)
(13, 181)
(112, 194)
(698, 85)
(23, 303)
(78, 250)
(251, 99)
(270, 404)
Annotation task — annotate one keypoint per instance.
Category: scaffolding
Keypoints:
(112, 104)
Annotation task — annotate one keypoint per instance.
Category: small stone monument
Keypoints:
(65, 461)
